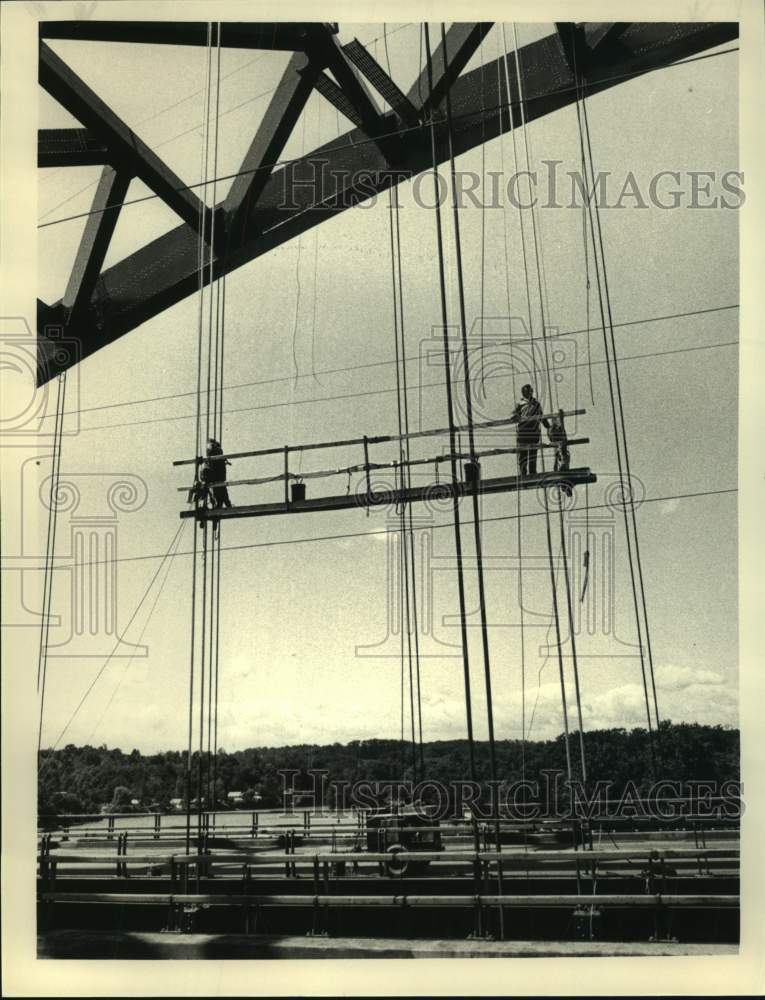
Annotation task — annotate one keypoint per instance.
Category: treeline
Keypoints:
(88, 779)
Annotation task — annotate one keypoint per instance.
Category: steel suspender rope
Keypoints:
(191, 692)
(404, 555)
(539, 258)
(213, 370)
(579, 90)
(401, 542)
(553, 581)
(50, 554)
(407, 620)
(450, 408)
(203, 525)
(412, 558)
(589, 169)
(519, 506)
(617, 379)
(471, 434)
(474, 492)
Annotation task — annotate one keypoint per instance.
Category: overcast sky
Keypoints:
(304, 618)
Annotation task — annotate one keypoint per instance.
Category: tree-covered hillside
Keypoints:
(87, 779)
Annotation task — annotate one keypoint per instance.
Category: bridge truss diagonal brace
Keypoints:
(99, 229)
(123, 300)
(127, 150)
(272, 134)
(462, 39)
(327, 51)
(586, 48)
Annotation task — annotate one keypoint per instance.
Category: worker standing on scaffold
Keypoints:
(214, 474)
(528, 416)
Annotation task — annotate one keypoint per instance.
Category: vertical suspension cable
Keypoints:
(212, 368)
(412, 562)
(202, 232)
(510, 105)
(403, 430)
(553, 580)
(50, 552)
(483, 218)
(218, 423)
(507, 99)
(553, 398)
(191, 691)
(539, 255)
(211, 671)
(407, 473)
(519, 533)
(450, 411)
(471, 435)
(589, 170)
(217, 664)
(624, 431)
(402, 640)
(554, 586)
(202, 671)
(210, 245)
(519, 519)
(203, 524)
(405, 571)
(213, 405)
(524, 126)
(570, 610)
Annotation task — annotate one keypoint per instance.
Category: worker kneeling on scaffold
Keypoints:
(528, 416)
(558, 437)
(212, 473)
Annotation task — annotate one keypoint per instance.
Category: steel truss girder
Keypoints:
(282, 35)
(99, 228)
(70, 147)
(271, 136)
(462, 39)
(126, 149)
(351, 169)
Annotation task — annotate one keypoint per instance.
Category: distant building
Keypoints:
(240, 798)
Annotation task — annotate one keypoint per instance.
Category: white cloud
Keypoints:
(676, 678)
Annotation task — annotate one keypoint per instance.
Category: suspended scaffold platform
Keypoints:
(371, 494)
(379, 497)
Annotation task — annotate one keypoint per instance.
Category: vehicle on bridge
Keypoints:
(391, 831)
